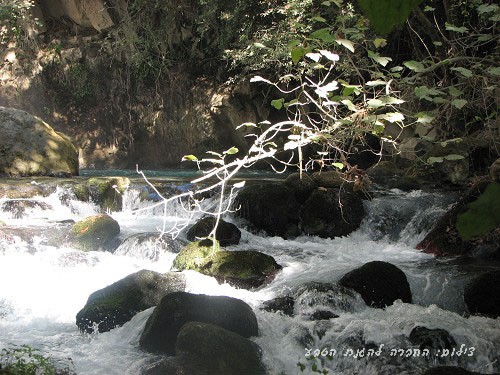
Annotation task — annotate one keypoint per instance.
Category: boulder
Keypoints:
(449, 161)
(215, 350)
(107, 192)
(270, 207)
(482, 295)
(301, 187)
(331, 213)
(176, 309)
(379, 283)
(206, 349)
(470, 227)
(117, 303)
(94, 233)
(227, 234)
(30, 147)
(284, 305)
(242, 269)
(433, 339)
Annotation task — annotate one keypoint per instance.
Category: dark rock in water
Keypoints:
(432, 339)
(330, 213)
(206, 349)
(227, 234)
(149, 245)
(117, 303)
(379, 283)
(482, 295)
(94, 233)
(280, 304)
(213, 350)
(30, 147)
(471, 226)
(315, 296)
(449, 370)
(242, 269)
(18, 207)
(301, 187)
(176, 309)
(323, 315)
(270, 207)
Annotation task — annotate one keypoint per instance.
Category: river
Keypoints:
(42, 287)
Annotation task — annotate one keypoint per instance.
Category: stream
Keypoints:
(42, 287)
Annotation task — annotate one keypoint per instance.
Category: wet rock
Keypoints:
(227, 234)
(301, 187)
(107, 192)
(270, 207)
(379, 283)
(214, 350)
(318, 298)
(18, 207)
(14, 189)
(330, 213)
(449, 161)
(323, 315)
(284, 305)
(482, 295)
(242, 269)
(94, 233)
(495, 170)
(149, 245)
(471, 226)
(178, 308)
(432, 339)
(30, 147)
(117, 303)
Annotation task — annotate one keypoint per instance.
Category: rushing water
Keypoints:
(43, 286)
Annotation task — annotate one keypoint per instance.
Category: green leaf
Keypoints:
(231, 151)
(392, 117)
(454, 91)
(425, 117)
(346, 43)
(277, 103)
(189, 157)
(454, 28)
(349, 105)
(259, 45)
(291, 145)
(429, 9)
(338, 165)
(454, 157)
(260, 79)
(314, 56)
(384, 15)
(329, 55)
(484, 8)
(494, 71)
(463, 71)
(391, 100)
(375, 103)
(318, 19)
(376, 83)
(297, 53)
(458, 103)
(416, 66)
(379, 42)
(435, 159)
(379, 59)
(424, 92)
(322, 34)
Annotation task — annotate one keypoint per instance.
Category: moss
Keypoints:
(482, 215)
(94, 232)
(107, 192)
(195, 255)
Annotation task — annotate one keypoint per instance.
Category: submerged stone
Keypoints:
(482, 295)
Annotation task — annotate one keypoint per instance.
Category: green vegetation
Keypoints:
(482, 215)
(26, 360)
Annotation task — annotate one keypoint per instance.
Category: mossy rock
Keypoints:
(94, 232)
(81, 192)
(117, 303)
(107, 191)
(482, 215)
(194, 255)
(242, 269)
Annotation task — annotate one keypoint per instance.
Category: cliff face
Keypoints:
(128, 82)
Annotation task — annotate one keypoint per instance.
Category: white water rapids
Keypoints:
(43, 287)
